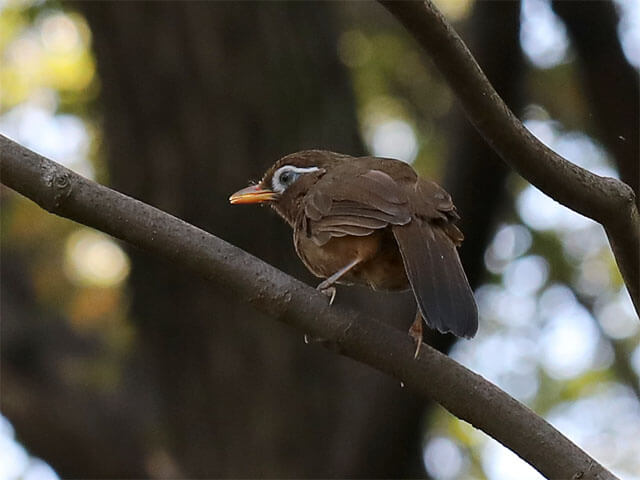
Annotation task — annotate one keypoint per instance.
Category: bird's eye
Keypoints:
(288, 177)
(285, 178)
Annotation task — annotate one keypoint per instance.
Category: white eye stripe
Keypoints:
(278, 186)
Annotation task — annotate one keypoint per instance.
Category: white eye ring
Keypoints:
(277, 183)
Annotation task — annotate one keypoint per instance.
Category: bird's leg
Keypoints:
(329, 291)
(327, 286)
(415, 332)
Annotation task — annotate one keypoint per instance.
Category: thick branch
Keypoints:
(465, 394)
(606, 200)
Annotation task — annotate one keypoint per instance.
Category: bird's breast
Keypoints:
(381, 266)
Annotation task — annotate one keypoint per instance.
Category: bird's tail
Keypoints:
(437, 278)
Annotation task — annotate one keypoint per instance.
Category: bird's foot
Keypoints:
(415, 332)
(327, 289)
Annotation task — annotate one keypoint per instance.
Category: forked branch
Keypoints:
(603, 199)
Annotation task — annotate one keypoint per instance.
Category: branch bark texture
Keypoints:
(605, 200)
(435, 376)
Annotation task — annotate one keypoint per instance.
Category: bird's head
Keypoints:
(285, 183)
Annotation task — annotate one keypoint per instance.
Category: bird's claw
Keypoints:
(328, 290)
(309, 339)
(415, 332)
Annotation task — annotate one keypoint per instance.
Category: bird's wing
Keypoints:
(356, 205)
(428, 248)
(422, 217)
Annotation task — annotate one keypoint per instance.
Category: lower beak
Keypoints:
(252, 194)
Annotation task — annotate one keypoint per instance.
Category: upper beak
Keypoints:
(252, 194)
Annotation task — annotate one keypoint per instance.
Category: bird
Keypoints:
(373, 221)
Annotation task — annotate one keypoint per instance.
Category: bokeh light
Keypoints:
(629, 29)
(616, 316)
(526, 275)
(13, 457)
(59, 33)
(393, 139)
(94, 259)
(500, 463)
(509, 242)
(38, 470)
(50, 52)
(568, 342)
(635, 360)
(61, 137)
(543, 36)
(541, 212)
(455, 10)
(607, 420)
(443, 458)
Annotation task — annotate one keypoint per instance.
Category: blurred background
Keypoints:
(117, 364)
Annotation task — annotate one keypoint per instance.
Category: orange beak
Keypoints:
(252, 194)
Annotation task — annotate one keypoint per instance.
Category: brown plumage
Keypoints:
(373, 221)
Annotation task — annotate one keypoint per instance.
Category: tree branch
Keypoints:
(605, 200)
(613, 92)
(465, 394)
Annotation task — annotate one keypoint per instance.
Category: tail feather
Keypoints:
(437, 278)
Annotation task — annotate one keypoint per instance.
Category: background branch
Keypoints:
(613, 92)
(606, 200)
(437, 377)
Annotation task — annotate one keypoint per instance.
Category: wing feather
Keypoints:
(358, 206)
(437, 278)
(354, 221)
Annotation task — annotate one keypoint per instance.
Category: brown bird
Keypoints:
(373, 221)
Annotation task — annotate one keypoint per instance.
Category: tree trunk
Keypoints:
(199, 98)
